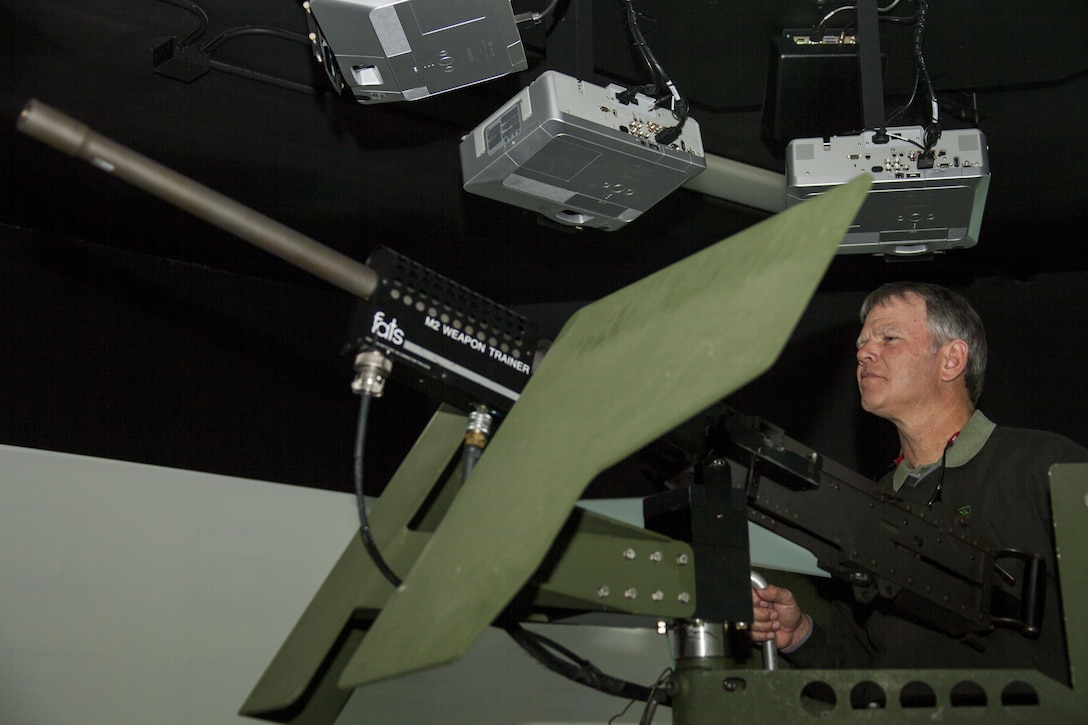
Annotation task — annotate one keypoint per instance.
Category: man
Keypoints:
(921, 362)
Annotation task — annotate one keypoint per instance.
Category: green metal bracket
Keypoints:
(1069, 501)
(299, 685)
(602, 565)
(597, 565)
(708, 695)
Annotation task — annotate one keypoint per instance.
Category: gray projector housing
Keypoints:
(571, 151)
(909, 211)
(405, 50)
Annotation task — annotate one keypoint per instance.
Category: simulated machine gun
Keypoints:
(939, 568)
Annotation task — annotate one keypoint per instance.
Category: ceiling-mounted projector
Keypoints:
(580, 154)
(922, 199)
(405, 50)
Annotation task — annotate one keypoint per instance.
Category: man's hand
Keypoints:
(776, 615)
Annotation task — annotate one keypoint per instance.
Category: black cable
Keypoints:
(217, 42)
(940, 476)
(904, 139)
(549, 9)
(201, 19)
(622, 712)
(540, 647)
(884, 17)
(469, 456)
(899, 19)
(933, 130)
(656, 71)
(364, 523)
(212, 45)
(1027, 86)
(651, 704)
(894, 115)
(823, 21)
(662, 90)
(577, 669)
(262, 77)
(536, 16)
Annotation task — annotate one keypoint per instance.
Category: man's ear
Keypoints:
(953, 359)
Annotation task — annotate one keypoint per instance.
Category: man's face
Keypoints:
(897, 371)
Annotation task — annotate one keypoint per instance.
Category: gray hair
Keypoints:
(949, 316)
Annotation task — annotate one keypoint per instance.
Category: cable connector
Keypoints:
(477, 434)
(932, 135)
(183, 63)
(372, 369)
(478, 429)
(534, 17)
(627, 96)
(528, 17)
(668, 135)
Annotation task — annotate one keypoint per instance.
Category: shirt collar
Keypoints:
(968, 442)
(971, 440)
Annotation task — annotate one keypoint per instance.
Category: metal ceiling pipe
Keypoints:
(75, 139)
(741, 183)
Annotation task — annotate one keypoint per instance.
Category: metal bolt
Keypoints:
(656, 556)
(631, 593)
(734, 684)
(682, 559)
(603, 591)
(629, 554)
(658, 595)
(683, 597)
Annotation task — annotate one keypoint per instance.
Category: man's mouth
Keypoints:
(867, 375)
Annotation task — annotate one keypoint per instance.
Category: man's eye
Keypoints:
(890, 338)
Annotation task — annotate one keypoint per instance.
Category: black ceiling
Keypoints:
(355, 176)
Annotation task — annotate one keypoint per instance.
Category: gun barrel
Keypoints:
(75, 139)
